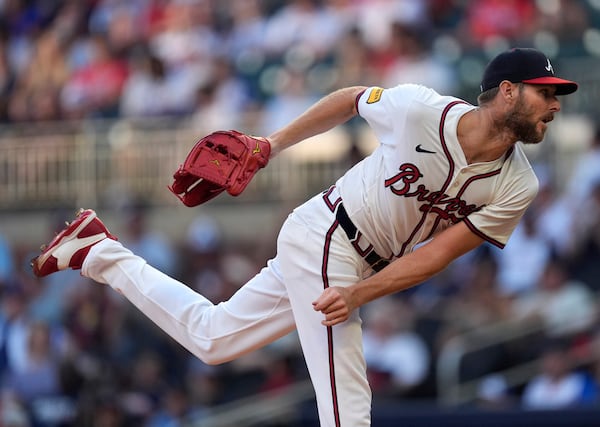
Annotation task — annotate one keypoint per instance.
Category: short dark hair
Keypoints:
(487, 96)
(490, 94)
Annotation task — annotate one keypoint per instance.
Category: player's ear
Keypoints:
(508, 90)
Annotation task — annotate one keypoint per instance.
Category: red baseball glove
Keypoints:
(222, 160)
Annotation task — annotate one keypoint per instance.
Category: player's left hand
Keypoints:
(336, 304)
(222, 160)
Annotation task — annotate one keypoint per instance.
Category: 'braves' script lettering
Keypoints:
(409, 174)
(446, 207)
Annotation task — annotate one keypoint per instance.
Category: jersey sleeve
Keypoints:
(496, 221)
(383, 108)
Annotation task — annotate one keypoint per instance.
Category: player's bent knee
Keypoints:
(212, 361)
(213, 353)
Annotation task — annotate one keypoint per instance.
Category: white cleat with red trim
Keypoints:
(70, 247)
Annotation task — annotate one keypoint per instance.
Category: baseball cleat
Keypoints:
(70, 247)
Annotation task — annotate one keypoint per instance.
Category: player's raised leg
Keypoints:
(257, 314)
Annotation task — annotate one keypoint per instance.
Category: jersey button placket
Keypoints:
(458, 180)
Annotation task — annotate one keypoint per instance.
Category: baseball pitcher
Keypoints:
(446, 176)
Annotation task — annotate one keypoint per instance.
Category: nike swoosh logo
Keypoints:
(423, 150)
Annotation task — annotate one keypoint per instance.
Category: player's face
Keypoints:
(534, 108)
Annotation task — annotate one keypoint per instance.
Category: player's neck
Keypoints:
(479, 137)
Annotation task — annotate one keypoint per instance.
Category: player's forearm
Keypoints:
(332, 110)
(418, 266)
(404, 273)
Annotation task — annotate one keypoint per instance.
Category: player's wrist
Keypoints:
(276, 145)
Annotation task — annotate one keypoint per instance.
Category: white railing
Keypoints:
(453, 391)
(277, 406)
(91, 163)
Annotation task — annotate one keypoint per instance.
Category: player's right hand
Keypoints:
(335, 303)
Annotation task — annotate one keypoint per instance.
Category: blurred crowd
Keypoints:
(72, 59)
(76, 353)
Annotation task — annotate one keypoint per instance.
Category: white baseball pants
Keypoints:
(313, 252)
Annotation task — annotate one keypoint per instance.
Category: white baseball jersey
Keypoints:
(418, 182)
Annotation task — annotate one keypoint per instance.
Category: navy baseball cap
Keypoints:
(524, 65)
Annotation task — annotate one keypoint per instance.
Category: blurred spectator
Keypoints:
(145, 387)
(567, 21)
(554, 219)
(351, 58)
(12, 412)
(69, 20)
(584, 259)
(31, 359)
(174, 409)
(487, 19)
(14, 330)
(7, 263)
(185, 35)
(375, 18)
(586, 172)
(20, 20)
(413, 62)
(222, 101)
(291, 97)
(37, 88)
(558, 385)
(104, 410)
(279, 373)
(246, 37)
(306, 25)
(200, 258)
(119, 22)
(204, 234)
(521, 262)
(237, 266)
(478, 302)
(94, 89)
(397, 357)
(186, 44)
(39, 373)
(93, 318)
(565, 306)
(155, 246)
(493, 393)
(202, 384)
(6, 80)
(146, 84)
